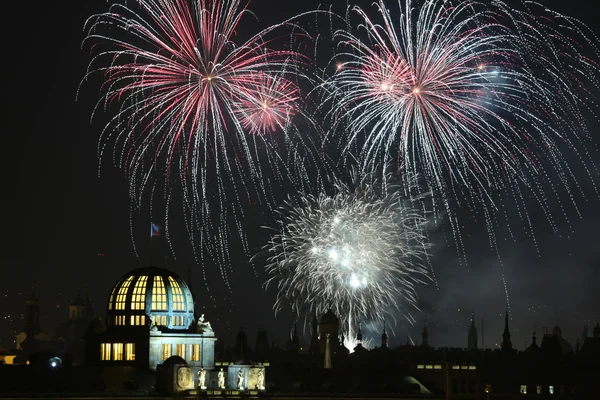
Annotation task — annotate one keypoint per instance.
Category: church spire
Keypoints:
(472, 338)
(384, 337)
(506, 343)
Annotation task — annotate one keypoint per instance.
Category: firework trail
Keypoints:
(483, 101)
(358, 252)
(197, 108)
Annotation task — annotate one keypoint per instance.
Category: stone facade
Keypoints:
(206, 346)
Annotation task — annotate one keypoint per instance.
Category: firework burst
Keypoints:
(485, 102)
(358, 252)
(194, 105)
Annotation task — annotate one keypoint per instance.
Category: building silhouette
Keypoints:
(150, 340)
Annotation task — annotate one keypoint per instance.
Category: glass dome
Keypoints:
(151, 294)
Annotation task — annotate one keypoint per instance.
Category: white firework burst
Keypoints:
(358, 252)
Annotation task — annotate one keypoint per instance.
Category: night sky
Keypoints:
(66, 228)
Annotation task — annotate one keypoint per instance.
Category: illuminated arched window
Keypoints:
(177, 295)
(112, 298)
(138, 300)
(120, 305)
(159, 295)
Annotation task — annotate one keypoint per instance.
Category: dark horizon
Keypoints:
(67, 228)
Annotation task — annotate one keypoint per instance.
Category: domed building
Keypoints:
(150, 317)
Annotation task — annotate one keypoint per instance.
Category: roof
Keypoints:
(151, 295)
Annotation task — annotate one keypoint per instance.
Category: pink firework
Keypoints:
(271, 106)
(196, 105)
(466, 94)
(488, 104)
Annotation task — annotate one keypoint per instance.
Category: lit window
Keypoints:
(138, 320)
(112, 297)
(456, 367)
(420, 366)
(464, 367)
(117, 351)
(177, 320)
(120, 305)
(523, 389)
(130, 351)
(539, 389)
(105, 351)
(429, 366)
(177, 295)
(180, 350)
(138, 300)
(166, 351)
(437, 366)
(488, 388)
(195, 352)
(551, 389)
(472, 367)
(119, 320)
(159, 295)
(160, 320)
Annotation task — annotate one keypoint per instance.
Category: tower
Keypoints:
(472, 339)
(327, 361)
(506, 343)
(384, 337)
(330, 324)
